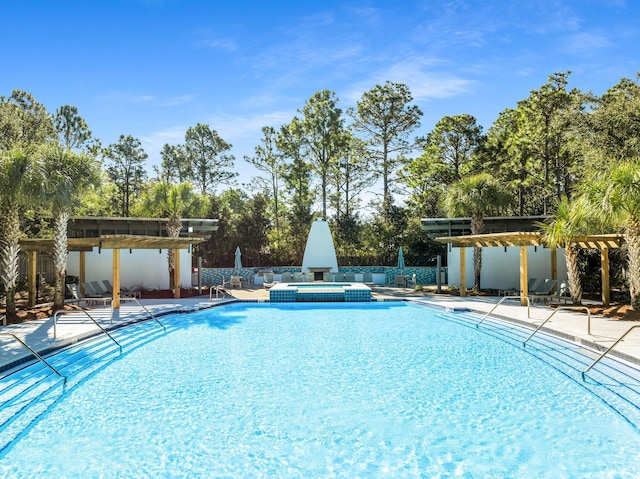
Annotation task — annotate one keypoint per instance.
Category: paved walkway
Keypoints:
(42, 336)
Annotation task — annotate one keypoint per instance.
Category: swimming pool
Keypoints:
(326, 390)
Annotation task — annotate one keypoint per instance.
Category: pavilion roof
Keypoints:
(529, 238)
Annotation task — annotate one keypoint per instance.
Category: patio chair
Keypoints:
(350, 277)
(287, 277)
(338, 277)
(400, 280)
(236, 281)
(367, 277)
(298, 277)
(268, 280)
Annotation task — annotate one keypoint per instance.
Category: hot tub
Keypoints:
(319, 292)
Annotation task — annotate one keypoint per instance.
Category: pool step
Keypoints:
(27, 394)
(614, 382)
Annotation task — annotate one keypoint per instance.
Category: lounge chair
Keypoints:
(327, 277)
(89, 292)
(124, 292)
(236, 281)
(298, 277)
(309, 277)
(268, 280)
(545, 291)
(287, 277)
(532, 284)
(78, 297)
(367, 278)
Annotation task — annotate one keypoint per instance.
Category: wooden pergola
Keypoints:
(525, 239)
(115, 242)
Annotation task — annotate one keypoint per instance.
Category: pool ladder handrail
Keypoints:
(40, 358)
(64, 311)
(572, 308)
(218, 288)
(502, 301)
(609, 349)
(133, 298)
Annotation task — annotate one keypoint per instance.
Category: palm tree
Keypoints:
(616, 195)
(20, 187)
(173, 202)
(476, 196)
(568, 221)
(68, 175)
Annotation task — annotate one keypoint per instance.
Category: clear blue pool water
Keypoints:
(351, 391)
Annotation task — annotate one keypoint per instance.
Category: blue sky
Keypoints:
(153, 68)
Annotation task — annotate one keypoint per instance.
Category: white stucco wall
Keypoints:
(501, 270)
(141, 268)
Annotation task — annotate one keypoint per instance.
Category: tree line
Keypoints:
(324, 163)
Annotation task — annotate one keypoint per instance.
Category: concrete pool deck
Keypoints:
(39, 334)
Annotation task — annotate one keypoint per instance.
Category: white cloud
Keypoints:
(586, 43)
(421, 75)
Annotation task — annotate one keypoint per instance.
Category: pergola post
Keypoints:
(115, 279)
(524, 275)
(82, 273)
(463, 271)
(554, 268)
(176, 274)
(31, 277)
(606, 287)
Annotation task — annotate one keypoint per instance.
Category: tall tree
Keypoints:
(71, 128)
(476, 196)
(68, 175)
(448, 155)
(509, 155)
(384, 115)
(297, 178)
(350, 175)
(175, 166)
(24, 122)
(270, 160)
(173, 202)
(125, 168)
(21, 180)
(324, 137)
(207, 154)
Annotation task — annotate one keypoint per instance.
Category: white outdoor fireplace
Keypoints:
(319, 253)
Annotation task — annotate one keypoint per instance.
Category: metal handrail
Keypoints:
(40, 358)
(502, 301)
(133, 298)
(609, 349)
(62, 311)
(218, 288)
(572, 308)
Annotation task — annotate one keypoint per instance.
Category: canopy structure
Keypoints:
(531, 238)
(116, 234)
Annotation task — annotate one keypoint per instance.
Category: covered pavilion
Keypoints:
(534, 238)
(87, 233)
